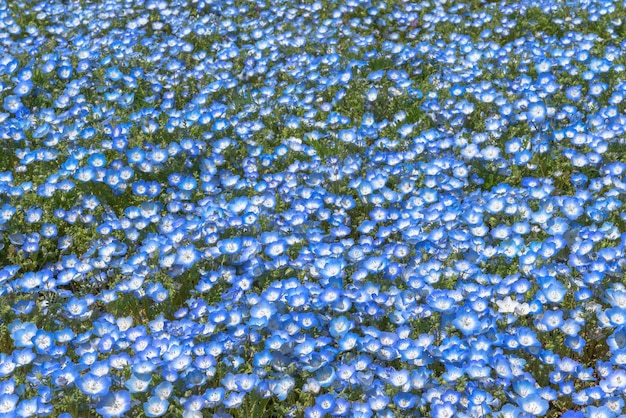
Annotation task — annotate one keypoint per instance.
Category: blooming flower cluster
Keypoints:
(318, 208)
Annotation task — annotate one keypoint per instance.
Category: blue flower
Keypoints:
(30, 407)
(234, 400)
(533, 404)
(214, 397)
(536, 112)
(155, 407)
(65, 72)
(283, 387)
(230, 246)
(552, 319)
(467, 322)
(138, 383)
(315, 411)
(42, 341)
(77, 308)
(572, 207)
(22, 333)
(8, 404)
(443, 410)
(554, 292)
(93, 385)
(340, 326)
(527, 337)
(12, 104)
(326, 376)
(187, 256)
(23, 88)
(114, 404)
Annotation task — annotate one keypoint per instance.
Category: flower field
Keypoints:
(346, 208)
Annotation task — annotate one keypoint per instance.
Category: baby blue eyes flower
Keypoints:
(93, 385)
(536, 113)
(77, 308)
(283, 387)
(573, 208)
(467, 322)
(8, 403)
(97, 160)
(65, 72)
(23, 88)
(138, 383)
(114, 404)
(230, 246)
(372, 94)
(12, 103)
(187, 256)
(340, 326)
(214, 396)
(155, 407)
(533, 404)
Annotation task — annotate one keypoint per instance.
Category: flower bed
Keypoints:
(355, 208)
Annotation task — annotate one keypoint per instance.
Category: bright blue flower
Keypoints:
(114, 404)
(325, 376)
(572, 207)
(138, 383)
(234, 400)
(443, 410)
(187, 256)
(467, 322)
(8, 404)
(42, 340)
(23, 88)
(23, 307)
(30, 407)
(22, 333)
(340, 326)
(536, 112)
(155, 407)
(65, 72)
(230, 246)
(93, 385)
(77, 308)
(552, 319)
(214, 397)
(315, 411)
(261, 313)
(97, 160)
(533, 404)
(283, 387)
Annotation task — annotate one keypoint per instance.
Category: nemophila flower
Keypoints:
(214, 397)
(187, 256)
(77, 308)
(155, 407)
(138, 383)
(282, 387)
(114, 404)
(533, 404)
(23, 88)
(8, 403)
(617, 340)
(467, 322)
(29, 407)
(93, 385)
(443, 410)
(22, 333)
(13, 104)
(552, 319)
(261, 313)
(230, 246)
